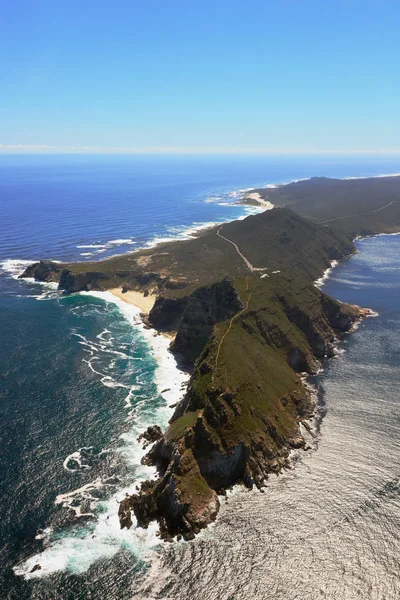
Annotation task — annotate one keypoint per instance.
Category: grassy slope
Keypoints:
(323, 199)
(253, 359)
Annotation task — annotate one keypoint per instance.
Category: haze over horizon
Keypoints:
(222, 77)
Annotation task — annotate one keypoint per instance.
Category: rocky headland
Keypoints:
(248, 322)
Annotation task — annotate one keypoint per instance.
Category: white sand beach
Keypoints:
(257, 197)
(138, 299)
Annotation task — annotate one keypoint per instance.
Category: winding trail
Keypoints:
(358, 215)
(254, 269)
(245, 260)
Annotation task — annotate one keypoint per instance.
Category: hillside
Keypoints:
(275, 239)
(354, 206)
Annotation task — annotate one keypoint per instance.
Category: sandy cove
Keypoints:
(144, 303)
(138, 299)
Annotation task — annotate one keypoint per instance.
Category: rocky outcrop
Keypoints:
(181, 500)
(69, 281)
(81, 282)
(45, 270)
(151, 435)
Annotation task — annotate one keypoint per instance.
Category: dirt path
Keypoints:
(231, 321)
(245, 260)
(359, 215)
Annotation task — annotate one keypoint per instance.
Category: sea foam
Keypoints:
(77, 549)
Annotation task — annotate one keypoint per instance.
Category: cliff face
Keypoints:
(240, 417)
(204, 308)
(45, 270)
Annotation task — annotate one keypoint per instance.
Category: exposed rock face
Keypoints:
(167, 312)
(36, 567)
(45, 270)
(194, 315)
(151, 435)
(204, 308)
(124, 513)
(81, 282)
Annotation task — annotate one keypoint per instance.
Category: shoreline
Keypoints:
(240, 196)
(135, 299)
(139, 304)
(146, 540)
(171, 383)
(11, 265)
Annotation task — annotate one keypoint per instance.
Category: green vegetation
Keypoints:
(177, 269)
(353, 206)
(254, 369)
(179, 427)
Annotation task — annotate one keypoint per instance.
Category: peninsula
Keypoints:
(248, 321)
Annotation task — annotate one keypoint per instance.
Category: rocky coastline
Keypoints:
(249, 323)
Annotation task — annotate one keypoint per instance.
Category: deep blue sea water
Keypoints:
(80, 378)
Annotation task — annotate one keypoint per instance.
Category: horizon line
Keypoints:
(51, 149)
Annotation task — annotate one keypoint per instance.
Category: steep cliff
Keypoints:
(204, 308)
(45, 270)
(240, 417)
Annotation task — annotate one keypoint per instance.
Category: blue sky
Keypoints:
(200, 76)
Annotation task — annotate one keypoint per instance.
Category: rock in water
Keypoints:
(152, 434)
(36, 567)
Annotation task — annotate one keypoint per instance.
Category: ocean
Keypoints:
(81, 378)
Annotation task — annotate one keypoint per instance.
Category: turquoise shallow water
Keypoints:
(79, 382)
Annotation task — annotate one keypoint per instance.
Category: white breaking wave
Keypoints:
(99, 248)
(373, 176)
(14, 267)
(122, 241)
(320, 282)
(181, 233)
(76, 458)
(75, 551)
